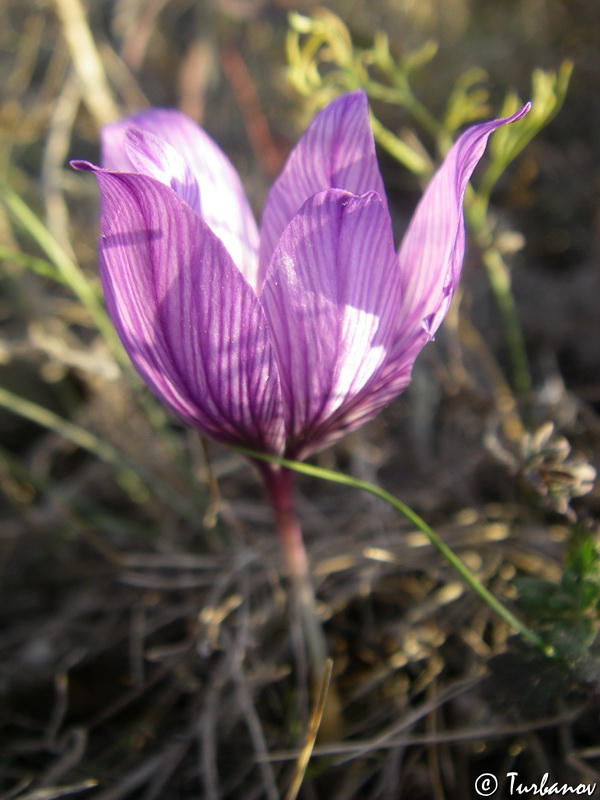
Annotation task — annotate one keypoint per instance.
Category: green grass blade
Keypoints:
(69, 272)
(99, 448)
(420, 524)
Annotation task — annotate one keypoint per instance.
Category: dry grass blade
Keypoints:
(484, 733)
(55, 154)
(87, 62)
(58, 791)
(311, 733)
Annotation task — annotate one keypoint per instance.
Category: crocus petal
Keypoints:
(430, 262)
(336, 151)
(432, 252)
(331, 297)
(189, 321)
(221, 201)
(152, 156)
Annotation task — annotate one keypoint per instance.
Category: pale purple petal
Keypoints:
(331, 297)
(336, 151)
(390, 380)
(112, 145)
(429, 268)
(340, 319)
(189, 321)
(432, 252)
(222, 200)
(151, 155)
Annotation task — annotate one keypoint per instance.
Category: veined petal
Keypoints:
(151, 155)
(331, 297)
(221, 198)
(390, 380)
(336, 151)
(432, 252)
(112, 145)
(189, 321)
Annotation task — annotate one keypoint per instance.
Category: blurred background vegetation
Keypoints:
(146, 647)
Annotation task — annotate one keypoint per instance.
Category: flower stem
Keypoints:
(460, 567)
(280, 487)
(500, 281)
(279, 484)
(476, 214)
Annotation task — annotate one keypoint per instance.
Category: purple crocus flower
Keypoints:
(279, 343)
(285, 341)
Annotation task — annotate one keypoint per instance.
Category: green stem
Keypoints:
(421, 114)
(498, 273)
(404, 97)
(500, 281)
(418, 522)
(398, 150)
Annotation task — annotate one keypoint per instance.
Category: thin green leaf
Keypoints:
(420, 524)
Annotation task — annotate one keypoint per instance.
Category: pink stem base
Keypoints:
(280, 487)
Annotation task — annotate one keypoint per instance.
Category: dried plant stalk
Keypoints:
(90, 71)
